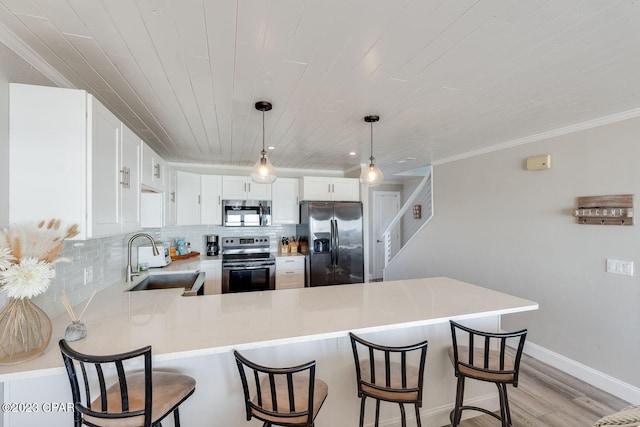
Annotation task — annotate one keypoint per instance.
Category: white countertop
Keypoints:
(179, 327)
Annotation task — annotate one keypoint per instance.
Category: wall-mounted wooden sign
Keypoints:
(605, 210)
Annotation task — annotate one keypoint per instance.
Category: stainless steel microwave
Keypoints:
(246, 213)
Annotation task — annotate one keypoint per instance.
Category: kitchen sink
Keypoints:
(192, 283)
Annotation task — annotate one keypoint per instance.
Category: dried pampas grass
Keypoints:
(26, 255)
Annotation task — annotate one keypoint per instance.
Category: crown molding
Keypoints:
(246, 170)
(606, 120)
(25, 52)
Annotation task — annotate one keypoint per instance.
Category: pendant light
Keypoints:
(263, 171)
(371, 175)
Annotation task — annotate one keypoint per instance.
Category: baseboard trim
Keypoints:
(589, 375)
(439, 416)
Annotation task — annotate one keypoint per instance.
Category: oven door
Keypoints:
(248, 277)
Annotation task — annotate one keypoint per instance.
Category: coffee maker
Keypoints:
(212, 244)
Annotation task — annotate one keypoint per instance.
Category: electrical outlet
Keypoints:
(88, 275)
(620, 267)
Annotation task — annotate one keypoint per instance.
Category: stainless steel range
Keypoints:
(247, 264)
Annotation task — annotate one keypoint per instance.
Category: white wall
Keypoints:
(13, 69)
(502, 227)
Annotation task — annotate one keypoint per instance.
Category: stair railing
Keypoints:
(394, 226)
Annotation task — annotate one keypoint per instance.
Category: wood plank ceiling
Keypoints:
(446, 76)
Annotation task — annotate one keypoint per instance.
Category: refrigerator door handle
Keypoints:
(337, 240)
(332, 244)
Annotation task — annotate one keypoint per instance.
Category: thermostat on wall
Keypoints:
(537, 163)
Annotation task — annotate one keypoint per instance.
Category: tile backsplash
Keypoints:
(194, 234)
(106, 257)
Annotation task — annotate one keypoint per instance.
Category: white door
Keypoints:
(386, 204)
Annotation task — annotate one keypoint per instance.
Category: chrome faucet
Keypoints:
(130, 273)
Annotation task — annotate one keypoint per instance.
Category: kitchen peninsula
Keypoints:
(195, 335)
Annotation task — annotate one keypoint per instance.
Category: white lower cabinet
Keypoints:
(289, 272)
(212, 276)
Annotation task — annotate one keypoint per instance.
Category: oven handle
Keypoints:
(253, 267)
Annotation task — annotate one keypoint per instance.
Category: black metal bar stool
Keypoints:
(142, 398)
(281, 396)
(387, 375)
(487, 361)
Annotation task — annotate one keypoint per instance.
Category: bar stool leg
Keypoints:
(377, 412)
(362, 410)
(504, 405)
(403, 416)
(176, 418)
(457, 411)
(418, 416)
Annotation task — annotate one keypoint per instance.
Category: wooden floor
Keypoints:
(546, 396)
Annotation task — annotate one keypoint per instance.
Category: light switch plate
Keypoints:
(539, 162)
(617, 266)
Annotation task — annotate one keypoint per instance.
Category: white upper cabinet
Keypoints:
(284, 206)
(153, 169)
(187, 198)
(242, 188)
(71, 159)
(198, 199)
(336, 189)
(130, 165)
(211, 199)
(170, 205)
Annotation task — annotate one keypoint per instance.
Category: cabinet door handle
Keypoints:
(333, 188)
(123, 177)
(173, 196)
(249, 185)
(244, 187)
(329, 190)
(157, 170)
(218, 199)
(198, 199)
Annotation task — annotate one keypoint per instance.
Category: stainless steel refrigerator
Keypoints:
(333, 231)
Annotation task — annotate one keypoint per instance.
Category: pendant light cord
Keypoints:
(371, 158)
(264, 153)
